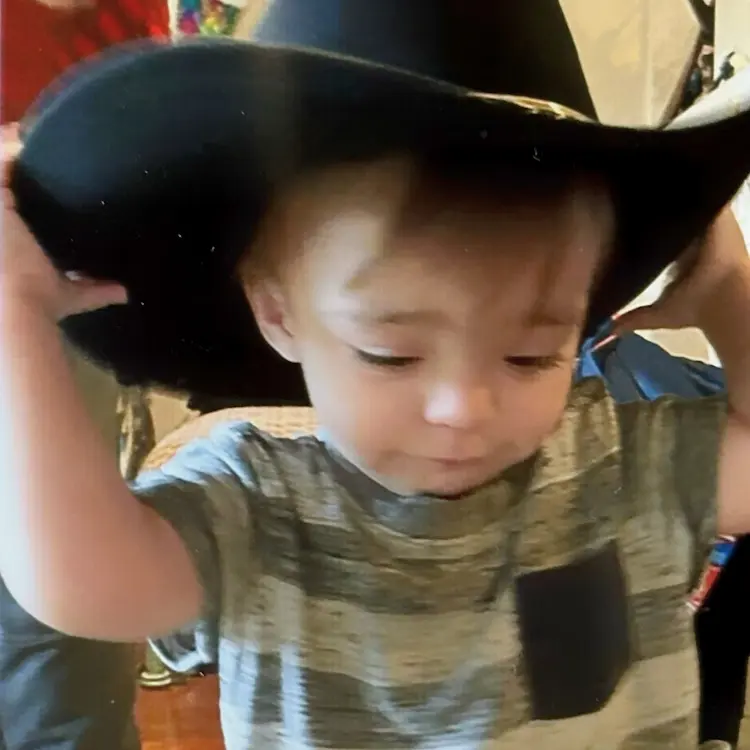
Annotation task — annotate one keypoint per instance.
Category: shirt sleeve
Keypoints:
(204, 493)
(671, 459)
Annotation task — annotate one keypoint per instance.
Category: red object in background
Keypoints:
(40, 43)
(707, 582)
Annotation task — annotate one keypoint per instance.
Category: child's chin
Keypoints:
(456, 492)
(456, 482)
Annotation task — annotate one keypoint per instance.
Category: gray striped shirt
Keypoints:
(546, 610)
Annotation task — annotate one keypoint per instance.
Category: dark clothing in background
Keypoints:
(722, 628)
(62, 693)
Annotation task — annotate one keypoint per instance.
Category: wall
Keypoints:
(732, 28)
(635, 54)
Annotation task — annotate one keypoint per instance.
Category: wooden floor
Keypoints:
(185, 717)
(182, 717)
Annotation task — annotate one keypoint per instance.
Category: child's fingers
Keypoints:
(11, 132)
(659, 314)
(86, 294)
(8, 162)
(606, 341)
(7, 197)
(104, 296)
(645, 318)
(11, 143)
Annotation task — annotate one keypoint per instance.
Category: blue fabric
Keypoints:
(634, 368)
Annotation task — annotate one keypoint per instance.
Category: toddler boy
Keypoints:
(471, 553)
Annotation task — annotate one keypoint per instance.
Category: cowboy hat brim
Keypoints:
(154, 166)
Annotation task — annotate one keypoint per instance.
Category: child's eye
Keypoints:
(535, 363)
(385, 360)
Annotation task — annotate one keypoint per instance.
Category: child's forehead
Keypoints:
(469, 264)
(527, 261)
(379, 224)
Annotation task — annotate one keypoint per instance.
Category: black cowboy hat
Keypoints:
(154, 165)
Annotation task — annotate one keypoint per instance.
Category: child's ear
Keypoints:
(274, 320)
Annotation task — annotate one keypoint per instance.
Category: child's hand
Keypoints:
(701, 282)
(26, 274)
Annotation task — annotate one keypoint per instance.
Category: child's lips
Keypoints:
(456, 463)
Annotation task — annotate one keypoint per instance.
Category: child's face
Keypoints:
(439, 355)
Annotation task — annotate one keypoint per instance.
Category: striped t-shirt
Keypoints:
(546, 610)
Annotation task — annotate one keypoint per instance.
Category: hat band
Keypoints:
(536, 106)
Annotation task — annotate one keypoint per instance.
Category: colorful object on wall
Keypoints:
(207, 17)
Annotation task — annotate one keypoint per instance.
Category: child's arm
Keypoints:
(78, 551)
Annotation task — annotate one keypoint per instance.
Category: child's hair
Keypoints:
(410, 193)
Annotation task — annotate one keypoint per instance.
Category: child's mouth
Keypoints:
(457, 463)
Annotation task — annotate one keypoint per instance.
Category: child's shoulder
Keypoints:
(590, 405)
(643, 433)
(589, 399)
(641, 459)
(227, 477)
(229, 450)
(589, 427)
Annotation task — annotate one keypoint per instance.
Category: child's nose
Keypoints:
(463, 404)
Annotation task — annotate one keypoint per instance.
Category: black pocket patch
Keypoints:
(575, 631)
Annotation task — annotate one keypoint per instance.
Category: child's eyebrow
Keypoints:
(554, 319)
(536, 319)
(391, 317)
